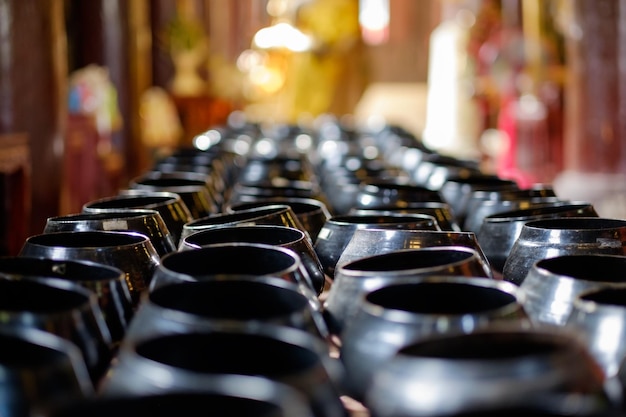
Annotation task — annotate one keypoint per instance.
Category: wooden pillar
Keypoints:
(32, 100)
(595, 106)
(161, 13)
(138, 156)
(593, 142)
(621, 68)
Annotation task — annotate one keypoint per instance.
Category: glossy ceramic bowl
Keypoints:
(130, 252)
(541, 239)
(233, 259)
(456, 191)
(395, 315)
(338, 230)
(62, 308)
(434, 170)
(106, 282)
(146, 222)
(599, 315)
(279, 215)
(552, 284)
(311, 213)
(170, 206)
(193, 188)
(375, 241)
(288, 167)
(280, 236)
(499, 231)
(440, 211)
(192, 360)
(39, 370)
(341, 192)
(483, 203)
(247, 192)
(355, 279)
(251, 300)
(482, 370)
(393, 193)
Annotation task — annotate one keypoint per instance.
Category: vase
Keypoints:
(187, 80)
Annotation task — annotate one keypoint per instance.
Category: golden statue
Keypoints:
(331, 76)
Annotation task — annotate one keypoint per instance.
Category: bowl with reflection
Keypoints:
(338, 230)
(280, 236)
(499, 232)
(552, 284)
(397, 314)
(548, 238)
(355, 279)
(488, 368)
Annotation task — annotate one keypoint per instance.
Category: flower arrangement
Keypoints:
(187, 45)
(184, 34)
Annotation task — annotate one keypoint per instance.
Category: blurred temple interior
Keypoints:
(93, 92)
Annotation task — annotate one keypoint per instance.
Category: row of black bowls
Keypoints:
(323, 271)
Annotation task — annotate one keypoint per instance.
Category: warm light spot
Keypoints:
(370, 152)
(265, 147)
(374, 21)
(249, 59)
(207, 139)
(267, 79)
(282, 35)
(303, 142)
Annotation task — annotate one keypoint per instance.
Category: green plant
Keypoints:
(183, 34)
